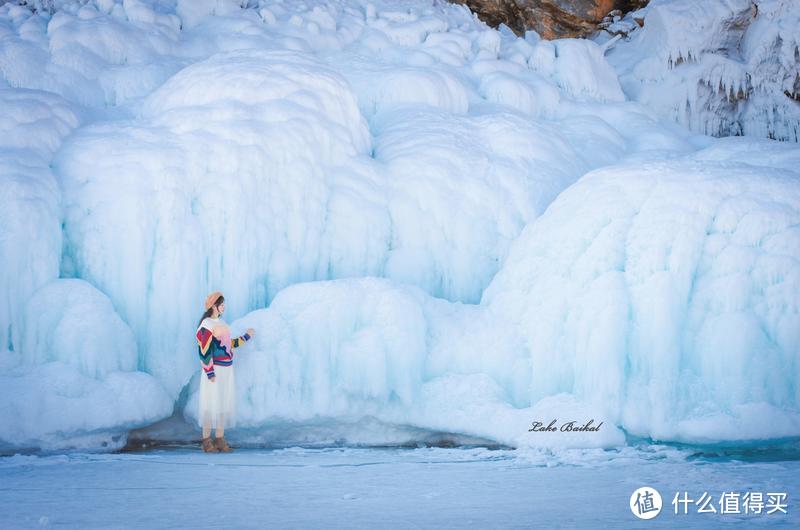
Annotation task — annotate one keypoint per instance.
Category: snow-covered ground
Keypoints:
(386, 488)
(429, 223)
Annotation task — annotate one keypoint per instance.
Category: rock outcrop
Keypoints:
(551, 19)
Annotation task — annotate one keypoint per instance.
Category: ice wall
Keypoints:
(223, 192)
(169, 149)
(370, 351)
(719, 67)
(668, 290)
(657, 298)
(32, 126)
(298, 151)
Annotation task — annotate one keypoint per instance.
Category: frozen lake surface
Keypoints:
(385, 487)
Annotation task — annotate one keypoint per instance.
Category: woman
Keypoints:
(217, 390)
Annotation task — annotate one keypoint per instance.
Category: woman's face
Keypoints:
(221, 308)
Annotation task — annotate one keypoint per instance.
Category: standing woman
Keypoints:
(217, 384)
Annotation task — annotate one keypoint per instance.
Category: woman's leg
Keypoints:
(220, 427)
(205, 410)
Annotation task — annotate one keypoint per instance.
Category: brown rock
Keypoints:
(551, 19)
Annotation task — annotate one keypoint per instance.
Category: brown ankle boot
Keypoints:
(222, 446)
(208, 446)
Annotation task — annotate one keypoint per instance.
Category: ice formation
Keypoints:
(375, 187)
(74, 383)
(659, 298)
(32, 126)
(347, 350)
(254, 169)
(667, 291)
(721, 67)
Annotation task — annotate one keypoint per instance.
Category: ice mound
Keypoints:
(578, 67)
(74, 382)
(668, 290)
(476, 180)
(72, 322)
(271, 87)
(54, 407)
(350, 350)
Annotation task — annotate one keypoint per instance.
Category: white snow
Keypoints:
(432, 225)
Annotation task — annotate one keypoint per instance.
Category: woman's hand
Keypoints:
(250, 331)
(212, 378)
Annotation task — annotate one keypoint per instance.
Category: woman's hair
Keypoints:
(210, 310)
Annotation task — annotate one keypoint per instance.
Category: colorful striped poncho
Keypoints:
(216, 350)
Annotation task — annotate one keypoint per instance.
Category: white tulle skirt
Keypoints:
(218, 399)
